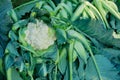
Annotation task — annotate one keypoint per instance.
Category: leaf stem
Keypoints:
(55, 75)
(70, 53)
(96, 66)
(9, 74)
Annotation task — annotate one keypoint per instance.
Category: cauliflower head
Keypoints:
(39, 35)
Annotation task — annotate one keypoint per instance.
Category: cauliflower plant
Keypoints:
(40, 35)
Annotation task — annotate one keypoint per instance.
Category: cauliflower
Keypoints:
(39, 35)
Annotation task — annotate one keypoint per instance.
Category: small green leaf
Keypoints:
(1, 51)
(20, 23)
(66, 76)
(50, 53)
(22, 36)
(48, 8)
(12, 74)
(12, 48)
(62, 64)
(12, 36)
(81, 51)
(13, 15)
(80, 37)
(81, 71)
(63, 13)
(75, 56)
(61, 36)
(42, 70)
(9, 61)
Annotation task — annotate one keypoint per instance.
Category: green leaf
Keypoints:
(29, 48)
(12, 36)
(19, 63)
(22, 36)
(66, 76)
(78, 46)
(12, 74)
(75, 74)
(50, 66)
(48, 8)
(62, 64)
(81, 71)
(1, 51)
(51, 53)
(117, 24)
(5, 5)
(61, 36)
(17, 3)
(25, 8)
(12, 48)
(80, 37)
(96, 30)
(13, 15)
(20, 23)
(75, 55)
(9, 61)
(56, 1)
(112, 54)
(41, 70)
(107, 70)
(63, 13)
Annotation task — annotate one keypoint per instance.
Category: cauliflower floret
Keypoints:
(38, 35)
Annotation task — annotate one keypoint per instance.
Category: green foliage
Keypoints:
(104, 36)
(61, 36)
(107, 73)
(86, 47)
(81, 51)
(12, 74)
(25, 8)
(62, 64)
(18, 3)
(4, 24)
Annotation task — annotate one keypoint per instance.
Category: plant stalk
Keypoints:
(70, 54)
